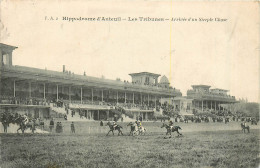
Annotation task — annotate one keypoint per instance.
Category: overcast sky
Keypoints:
(221, 54)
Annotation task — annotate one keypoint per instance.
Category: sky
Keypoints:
(220, 54)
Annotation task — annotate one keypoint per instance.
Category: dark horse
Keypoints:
(112, 128)
(23, 125)
(170, 130)
(244, 128)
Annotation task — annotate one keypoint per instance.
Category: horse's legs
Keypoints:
(178, 133)
(120, 132)
(108, 132)
(5, 128)
(18, 129)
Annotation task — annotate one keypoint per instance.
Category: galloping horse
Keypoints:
(23, 124)
(112, 129)
(141, 130)
(133, 129)
(170, 130)
(244, 128)
(136, 130)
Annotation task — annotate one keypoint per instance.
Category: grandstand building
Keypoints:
(201, 99)
(205, 98)
(37, 92)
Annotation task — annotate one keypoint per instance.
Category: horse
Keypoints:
(23, 125)
(141, 130)
(244, 128)
(171, 129)
(133, 129)
(136, 130)
(112, 129)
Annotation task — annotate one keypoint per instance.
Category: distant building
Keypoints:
(200, 98)
(205, 98)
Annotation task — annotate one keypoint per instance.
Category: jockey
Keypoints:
(25, 119)
(114, 124)
(171, 124)
(139, 124)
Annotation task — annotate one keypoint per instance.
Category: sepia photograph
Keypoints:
(129, 84)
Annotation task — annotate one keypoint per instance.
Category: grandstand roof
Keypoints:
(2, 45)
(200, 86)
(144, 73)
(220, 89)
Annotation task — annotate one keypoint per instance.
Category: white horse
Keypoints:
(141, 130)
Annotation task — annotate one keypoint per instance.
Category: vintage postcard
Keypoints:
(123, 84)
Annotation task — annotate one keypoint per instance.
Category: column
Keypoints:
(117, 97)
(10, 58)
(30, 89)
(1, 58)
(107, 114)
(202, 105)
(81, 95)
(87, 115)
(102, 95)
(14, 88)
(1, 65)
(155, 101)
(98, 114)
(125, 97)
(133, 98)
(146, 116)
(148, 99)
(211, 105)
(141, 98)
(57, 92)
(92, 95)
(69, 94)
(215, 105)
(44, 91)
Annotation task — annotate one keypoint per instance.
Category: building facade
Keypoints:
(205, 98)
(35, 88)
